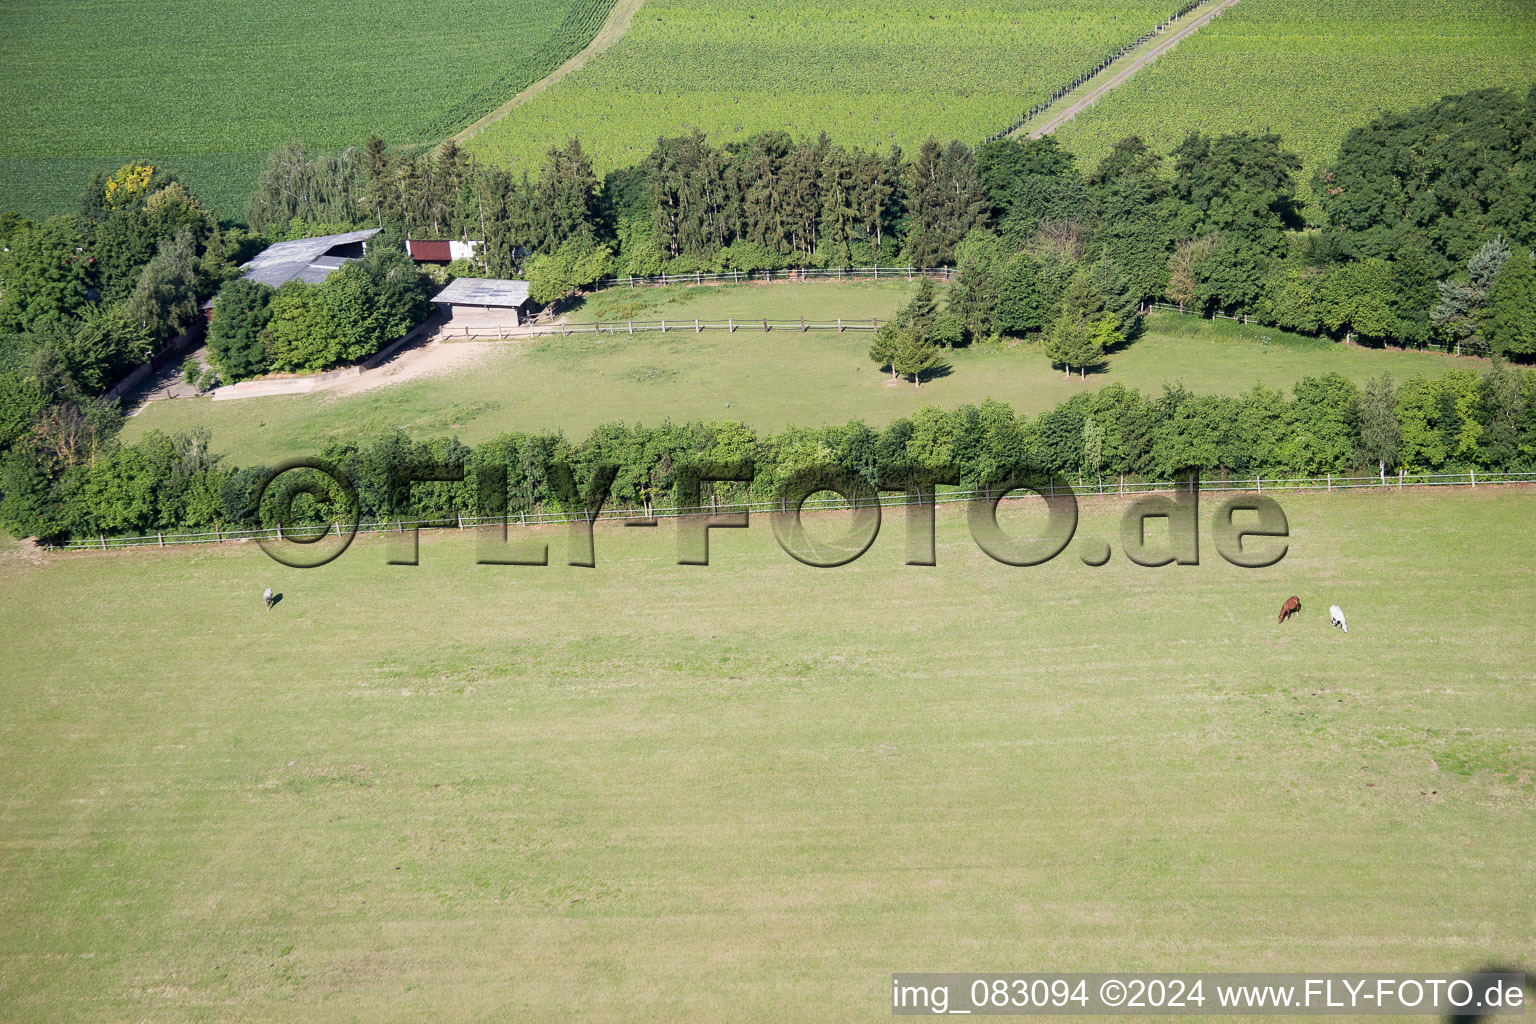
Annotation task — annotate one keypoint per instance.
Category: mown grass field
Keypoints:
(646, 792)
(868, 74)
(1311, 71)
(210, 89)
(766, 381)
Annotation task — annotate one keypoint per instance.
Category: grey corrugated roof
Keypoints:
(302, 258)
(483, 291)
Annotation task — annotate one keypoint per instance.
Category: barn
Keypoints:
(427, 250)
(480, 305)
(310, 260)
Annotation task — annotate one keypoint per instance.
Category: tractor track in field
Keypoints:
(612, 31)
(1092, 93)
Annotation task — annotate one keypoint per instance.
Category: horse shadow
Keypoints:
(276, 599)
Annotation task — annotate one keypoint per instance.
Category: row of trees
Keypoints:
(1393, 249)
(1327, 425)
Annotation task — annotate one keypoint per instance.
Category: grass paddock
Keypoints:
(767, 381)
(752, 791)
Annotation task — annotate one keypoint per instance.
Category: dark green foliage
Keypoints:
(236, 347)
(1437, 182)
(102, 345)
(1239, 186)
(914, 353)
(945, 200)
(1510, 318)
(1021, 307)
(164, 301)
(1031, 180)
(45, 273)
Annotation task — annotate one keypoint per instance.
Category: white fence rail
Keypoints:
(730, 325)
(1093, 488)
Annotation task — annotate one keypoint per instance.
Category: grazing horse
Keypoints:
(267, 599)
(1291, 607)
(1336, 616)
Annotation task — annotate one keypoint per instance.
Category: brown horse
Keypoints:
(1291, 607)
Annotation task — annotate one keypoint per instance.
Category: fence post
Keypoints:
(1330, 481)
(1259, 483)
(461, 520)
(765, 325)
(279, 531)
(631, 327)
(1474, 478)
(696, 327)
(730, 325)
(663, 326)
(1399, 478)
(216, 537)
(103, 541)
(839, 325)
(338, 529)
(802, 325)
(161, 537)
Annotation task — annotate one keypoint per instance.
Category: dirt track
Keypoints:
(612, 31)
(1120, 72)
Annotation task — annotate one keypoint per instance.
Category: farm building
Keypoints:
(310, 260)
(437, 251)
(484, 305)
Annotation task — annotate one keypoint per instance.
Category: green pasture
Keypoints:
(751, 791)
(1312, 71)
(768, 381)
(209, 90)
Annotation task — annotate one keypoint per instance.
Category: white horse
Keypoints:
(267, 599)
(1336, 614)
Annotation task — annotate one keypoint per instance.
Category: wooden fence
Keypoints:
(731, 325)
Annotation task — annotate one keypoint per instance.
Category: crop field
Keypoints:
(461, 792)
(1311, 70)
(869, 74)
(210, 89)
(766, 381)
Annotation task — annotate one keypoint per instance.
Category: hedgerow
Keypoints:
(1458, 421)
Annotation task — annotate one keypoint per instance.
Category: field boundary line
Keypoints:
(613, 29)
(1132, 66)
(1132, 49)
(1106, 488)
